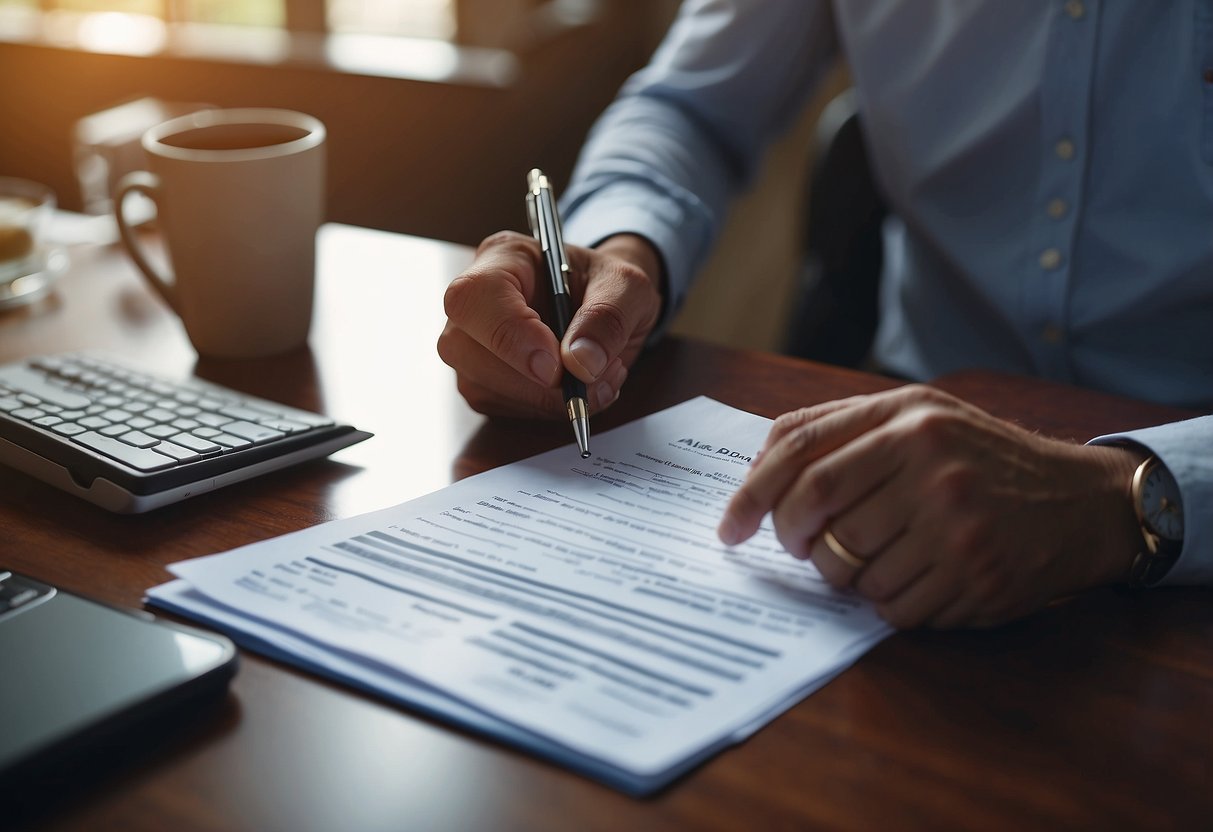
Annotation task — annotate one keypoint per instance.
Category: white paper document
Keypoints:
(581, 608)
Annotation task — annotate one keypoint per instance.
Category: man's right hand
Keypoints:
(507, 360)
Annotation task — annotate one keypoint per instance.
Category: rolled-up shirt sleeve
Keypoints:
(1186, 448)
(688, 130)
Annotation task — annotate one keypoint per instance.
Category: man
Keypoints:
(1050, 167)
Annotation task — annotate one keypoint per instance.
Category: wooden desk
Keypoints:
(1094, 713)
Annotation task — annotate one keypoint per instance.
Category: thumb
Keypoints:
(619, 308)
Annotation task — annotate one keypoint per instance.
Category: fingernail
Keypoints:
(619, 375)
(590, 356)
(727, 532)
(603, 394)
(544, 367)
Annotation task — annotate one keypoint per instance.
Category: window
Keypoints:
(412, 18)
(465, 41)
(419, 18)
(238, 12)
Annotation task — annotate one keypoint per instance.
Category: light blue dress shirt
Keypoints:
(1049, 163)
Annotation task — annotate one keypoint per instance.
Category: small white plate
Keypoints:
(36, 285)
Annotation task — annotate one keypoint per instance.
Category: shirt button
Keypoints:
(1075, 9)
(1064, 149)
(1051, 334)
(1057, 208)
(1050, 259)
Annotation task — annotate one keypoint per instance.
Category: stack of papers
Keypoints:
(583, 610)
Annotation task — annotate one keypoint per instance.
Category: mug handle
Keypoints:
(149, 185)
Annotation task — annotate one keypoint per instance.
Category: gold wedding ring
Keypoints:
(842, 552)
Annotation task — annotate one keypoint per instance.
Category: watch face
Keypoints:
(1161, 505)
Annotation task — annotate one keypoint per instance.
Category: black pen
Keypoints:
(545, 226)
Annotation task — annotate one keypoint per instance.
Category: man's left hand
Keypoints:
(950, 516)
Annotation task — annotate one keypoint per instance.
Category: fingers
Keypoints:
(492, 387)
(797, 418)
(803, 440)
(907, 589)
(833, 486)
(933, 591)
(619, 307)
(490, 303)
(506, 358)
(871, 529)
(837, 562)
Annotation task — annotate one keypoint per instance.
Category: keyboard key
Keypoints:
(29, 413)
(212, 420)
(141, 459)
(206, 433)
(112, 430)
(139, 423)
(178, 452)
(252, 432)
(47, 421)
(196, 443)
(68, 428)
(95, 422)
(116, 415)
(248, 414)
(28, 381)
(229, 441)
(49, 363)
(285, 425)
(313, 419)
(138, 439)
(185, 424)
(162, 431)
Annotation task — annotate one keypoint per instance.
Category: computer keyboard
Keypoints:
(130, 441)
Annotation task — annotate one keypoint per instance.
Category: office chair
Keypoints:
(836, 304)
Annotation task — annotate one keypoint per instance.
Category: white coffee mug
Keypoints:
(239, 196)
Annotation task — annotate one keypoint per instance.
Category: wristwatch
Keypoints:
(1160, 514)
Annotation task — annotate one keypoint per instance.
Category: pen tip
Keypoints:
(585, 454)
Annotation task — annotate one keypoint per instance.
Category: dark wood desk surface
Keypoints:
(1094, 713)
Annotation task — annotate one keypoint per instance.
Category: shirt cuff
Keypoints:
(623, 208)
(1186, 448)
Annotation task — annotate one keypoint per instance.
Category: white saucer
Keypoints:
(36, 285)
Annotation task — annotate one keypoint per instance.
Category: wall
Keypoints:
(443, 159)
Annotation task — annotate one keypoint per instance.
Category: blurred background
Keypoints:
(435, 110)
